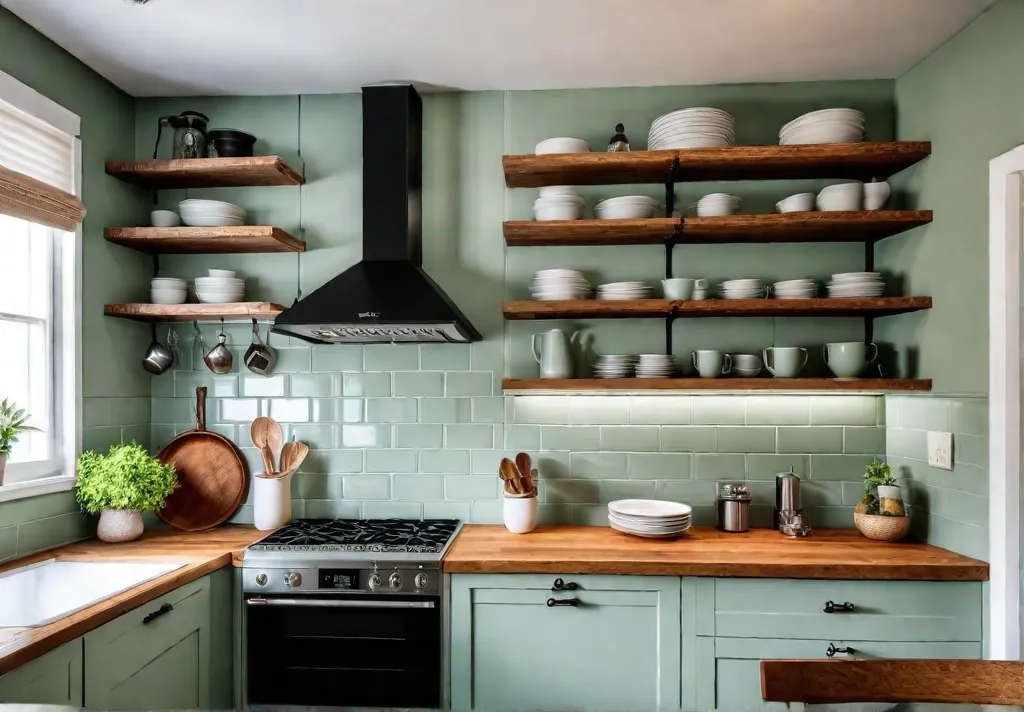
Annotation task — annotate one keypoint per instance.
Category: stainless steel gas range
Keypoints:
(345, 613)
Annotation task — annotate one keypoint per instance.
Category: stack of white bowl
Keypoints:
(558, 202)
(555, 284)
(799, 203)
(650, 518)
(210, 213)
(562, 144)
(825, 126)
(167, 290)
(657, 366)
(715, 204)
(795, 289)
(856, 284)
(221, 287)
(625, 290)
(746, 365)
(615, 366)
(742, 289)
(627, 206)
(842, 196)
(698, 127)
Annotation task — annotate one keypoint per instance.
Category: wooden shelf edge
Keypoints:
(205, 240)
(237, 311)
(234, 172)
(575, 385)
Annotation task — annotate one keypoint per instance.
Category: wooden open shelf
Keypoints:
(716, 384)
(613, 309)
(206, 172)
(238, 311)
(861, 161)
(205, 240)
(859, 226)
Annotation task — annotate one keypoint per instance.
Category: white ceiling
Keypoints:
(190, 47)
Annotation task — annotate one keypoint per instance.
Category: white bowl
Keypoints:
(558, 212)
(875, 195)
(221, 273)
(620, 212)
(167, 296)
(845, 196)
(205, 204)
(558, 200)
(211, 221)
(227, 299)
(799, 203)
(211, 280)
(554, 191)
(164, 218)
(716, 208)
(822, 135)
(562, 145)
(167, 282)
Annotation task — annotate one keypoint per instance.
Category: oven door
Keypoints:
(343, 651)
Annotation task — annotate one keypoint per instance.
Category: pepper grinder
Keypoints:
(618, 142)
(789, 515)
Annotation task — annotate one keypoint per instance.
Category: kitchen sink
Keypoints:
(50, 590)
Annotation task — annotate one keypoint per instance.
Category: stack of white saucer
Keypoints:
(558, 202)
(824, 126)
(555, 284)
(856, 284)
(742, 289)
(615, 366)
(696, 127)
(657, 366)
(795, 289)
(650, 518)
(624, 290)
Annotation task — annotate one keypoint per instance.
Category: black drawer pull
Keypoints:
(161, 611)
(833, 607)
(832, 650)
(563, 602)
(560, 585)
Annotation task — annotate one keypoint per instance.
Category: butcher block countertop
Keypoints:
(759, 553)
(203, 552)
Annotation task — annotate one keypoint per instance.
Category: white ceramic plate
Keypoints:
(620, 528)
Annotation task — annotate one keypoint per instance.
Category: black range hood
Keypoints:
(387, 297)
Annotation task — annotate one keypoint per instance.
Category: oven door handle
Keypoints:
(332, 603)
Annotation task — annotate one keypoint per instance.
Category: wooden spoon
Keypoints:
(274, 439)
(292, 455)
(524, 465)
(510, 474)
(260, 432)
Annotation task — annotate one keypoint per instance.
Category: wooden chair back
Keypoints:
(977, 682)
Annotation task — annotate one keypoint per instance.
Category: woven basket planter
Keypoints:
(882, 528)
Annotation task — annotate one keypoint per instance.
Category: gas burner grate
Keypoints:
(415, 536)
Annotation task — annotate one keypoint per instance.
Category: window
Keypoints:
(39, 292)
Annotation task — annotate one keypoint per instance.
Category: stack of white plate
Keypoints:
(716, 204)
(167, 290)
(650, 518)
(699, 127)
(742, 289)
(627, 206)
(795, 289)
(856, 284)
(221, 287)
(657, 366)
(210, 213)
(615, 366)
(625, 290)
(554, 284)
(825, 126)
(558, 202)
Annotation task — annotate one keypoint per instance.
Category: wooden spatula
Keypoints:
(508, 472)
(261, 438)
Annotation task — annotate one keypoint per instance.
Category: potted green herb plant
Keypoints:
(12, 424)
(881, 514)
(120, 486)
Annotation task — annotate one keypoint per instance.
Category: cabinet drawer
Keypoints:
(883, 610)
(54, 679)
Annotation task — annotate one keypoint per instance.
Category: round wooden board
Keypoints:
(212, 479)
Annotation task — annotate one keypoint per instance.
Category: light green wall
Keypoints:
(114, 386)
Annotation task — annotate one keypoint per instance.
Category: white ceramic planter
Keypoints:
(519, 514)
(890, 492)
(272, 505)
(117, 525)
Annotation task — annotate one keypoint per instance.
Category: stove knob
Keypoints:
(293, 579)
(374, 581)
(420, 581)
(395, 581)
(261, 579)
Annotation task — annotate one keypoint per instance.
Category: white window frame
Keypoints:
(59, 474)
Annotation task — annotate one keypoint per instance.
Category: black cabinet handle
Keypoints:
(832, 650)
(563, 602)
(161, 611)
(833, 607)
(560, 585)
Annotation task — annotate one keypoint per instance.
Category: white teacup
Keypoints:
(848, 359)
(784, 361)
(700, 294)
(711, 364)
(682, 287)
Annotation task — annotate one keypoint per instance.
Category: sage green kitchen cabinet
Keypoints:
(619, 648)
(54, 679)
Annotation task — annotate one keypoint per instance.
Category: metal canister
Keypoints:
(787, 496)
(733, 508)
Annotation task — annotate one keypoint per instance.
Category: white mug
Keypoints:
(711, 364)
(682, 288)
(785, 361)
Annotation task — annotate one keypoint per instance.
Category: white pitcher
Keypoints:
(555, 355)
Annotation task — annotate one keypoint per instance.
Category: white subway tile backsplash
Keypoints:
(779, 410)
(239, 409)
(469, 436)
(468, 383)
(334, 358)
(598, 410)
(719, 410)
(370, 385)
(391, 410)
(385, 460)
(444, 357)
(415, 383)
(287, 410)
(629, 438)
(541, 410)
(365, 436)
(660, 410)
(264, 386)
(367, 486)
(391, 357)
(844, 410)
(454, 462)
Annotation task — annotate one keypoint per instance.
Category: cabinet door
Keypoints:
(160, 664)
(617, 649)
(54, 679)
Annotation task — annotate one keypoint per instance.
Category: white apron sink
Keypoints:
(50, 590)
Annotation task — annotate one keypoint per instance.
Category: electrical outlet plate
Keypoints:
(940, 450)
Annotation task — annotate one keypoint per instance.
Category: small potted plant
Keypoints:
(12, 425)
(881, 514)
(120, 486)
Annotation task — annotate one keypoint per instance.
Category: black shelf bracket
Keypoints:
(156, 265)
(869, 266)
(669, 321)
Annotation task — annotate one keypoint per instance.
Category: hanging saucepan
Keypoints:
(259, 358)
(220, 359)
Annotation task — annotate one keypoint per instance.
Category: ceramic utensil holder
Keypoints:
(519, 514)
(273, 501)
